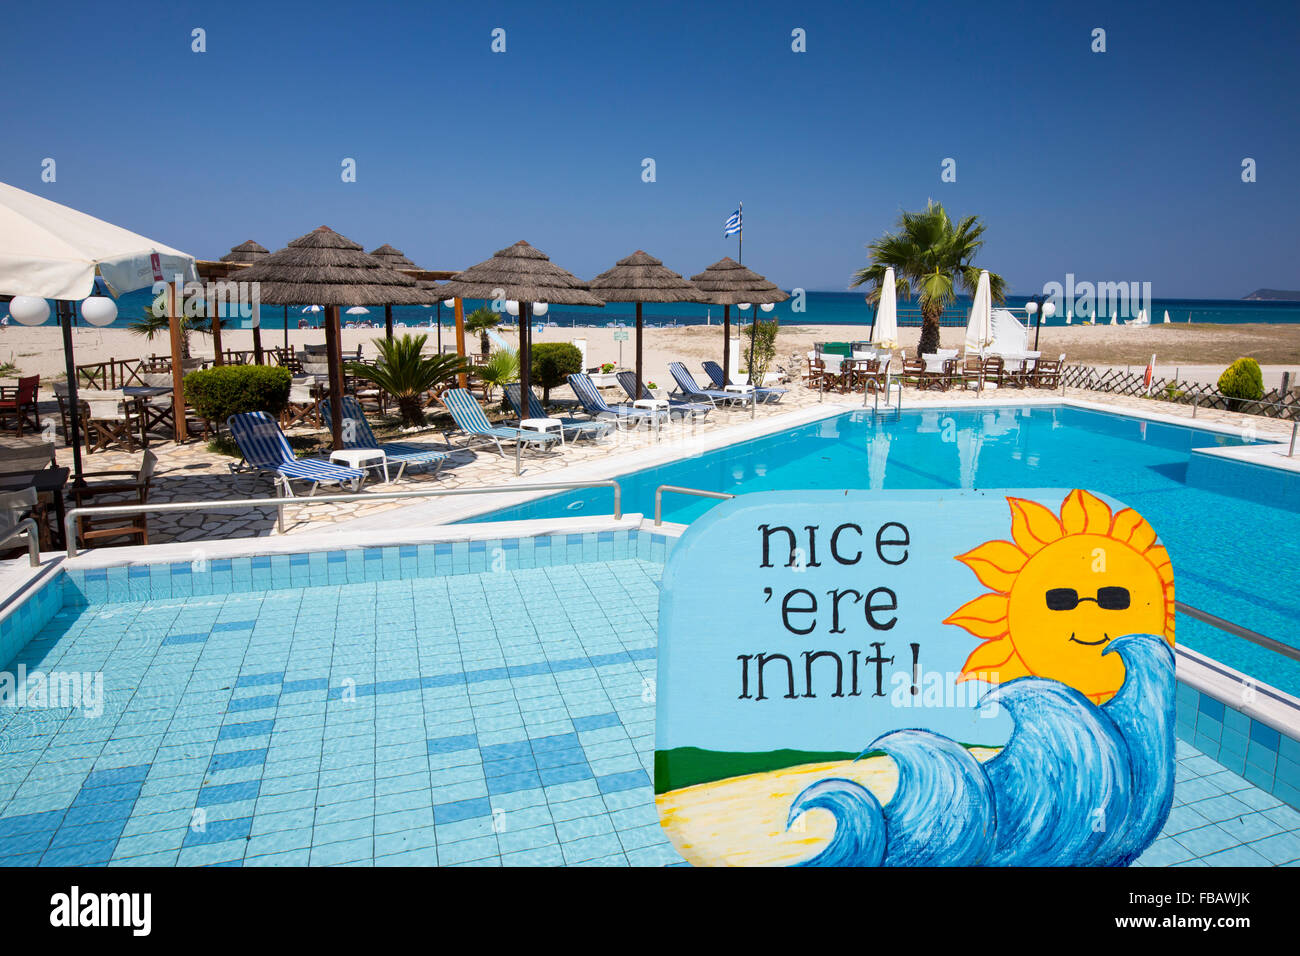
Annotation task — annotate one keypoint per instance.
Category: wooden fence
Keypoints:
(1277, 403)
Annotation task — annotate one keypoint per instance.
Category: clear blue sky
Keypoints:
(1122, 166)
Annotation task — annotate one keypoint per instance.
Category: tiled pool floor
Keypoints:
(487, 719)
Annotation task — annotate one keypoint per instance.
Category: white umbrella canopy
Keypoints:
(885, 331)
(53, 252)
(979, 328)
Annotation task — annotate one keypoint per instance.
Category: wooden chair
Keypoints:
(20, 402)
(128, 492)
(1047, 373)
(971, 372)
(109, 418)
(994, 370)
(303, 407)
(36, 457)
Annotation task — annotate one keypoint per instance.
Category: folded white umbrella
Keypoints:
(53, 252)
(885, 331)
(979, 328)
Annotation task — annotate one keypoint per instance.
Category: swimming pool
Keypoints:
(1233, 542)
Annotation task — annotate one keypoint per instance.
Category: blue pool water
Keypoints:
(1234, 556)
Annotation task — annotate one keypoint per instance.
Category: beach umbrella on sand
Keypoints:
(50, 251)
(333, 271)
(727, 283)
(522, 274)
(1166, 316)
(979, 328)
(640, 278)
(884, 331)
(249, 252)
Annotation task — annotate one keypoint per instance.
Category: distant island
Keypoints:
(1273, 295)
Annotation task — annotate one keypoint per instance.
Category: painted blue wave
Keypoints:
(1076, 784)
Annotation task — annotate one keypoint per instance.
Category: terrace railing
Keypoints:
(280, 504)
(1281, 402)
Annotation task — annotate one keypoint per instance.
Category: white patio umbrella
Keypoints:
(884, 333)
(358, 310)
(51, 251)
(1166, 316)
(979, 328)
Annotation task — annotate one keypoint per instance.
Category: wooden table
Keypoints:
(163, 417)
(45, 480)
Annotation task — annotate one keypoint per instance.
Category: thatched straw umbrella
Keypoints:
(331, 270)
(642, 278)
(727, 283)
(247, 251)
(525, 275)
(394, 258)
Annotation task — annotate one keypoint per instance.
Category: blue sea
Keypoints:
(819, 308)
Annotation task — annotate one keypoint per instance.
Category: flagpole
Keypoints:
(740, 248)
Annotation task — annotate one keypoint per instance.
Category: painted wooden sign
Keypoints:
(916, 678)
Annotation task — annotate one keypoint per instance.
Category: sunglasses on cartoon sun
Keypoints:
(1067, 599)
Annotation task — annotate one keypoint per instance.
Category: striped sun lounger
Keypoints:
(357, 434)
(676, 407)
(575, 427)
(767, 394)
(267, 451)
(469, 418)
(690, 389)
(597, 407)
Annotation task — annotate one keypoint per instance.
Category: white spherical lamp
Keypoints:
(539, 308)
(744, 305)
(768, 306)
(29, 309)
(1031, 307)
(99, 310)
(512, 306)
(449, 303)
(1049, 309)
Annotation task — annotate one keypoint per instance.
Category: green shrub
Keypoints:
(552, 363)
(217, 393)
(1242, 381)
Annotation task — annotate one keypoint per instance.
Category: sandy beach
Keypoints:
(1198, 352)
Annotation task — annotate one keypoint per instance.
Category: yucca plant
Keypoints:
(501, 368)
(405, 373)
(931, 255)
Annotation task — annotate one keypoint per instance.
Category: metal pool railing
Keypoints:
(679, 490)
(1236, 630)
(70, 522)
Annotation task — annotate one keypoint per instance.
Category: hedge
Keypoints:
(1242, 380)
(552, 364)
(217, 393)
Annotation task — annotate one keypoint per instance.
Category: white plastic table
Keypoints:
(357, 458)
(544, 425)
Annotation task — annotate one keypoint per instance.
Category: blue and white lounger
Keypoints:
(573, 427)
(357, 434)
(267, 451)
(597, 407)
(676, 407)
(688, 388)
(469, 418)
(767, 394)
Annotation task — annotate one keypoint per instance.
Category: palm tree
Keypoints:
(151, 323)
(480, 320)
(405, 373)
(500, 369)
(930, 254)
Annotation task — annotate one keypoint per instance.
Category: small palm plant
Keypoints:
(931, 255)
(480, 320)
(152, 323)
(501, 368)
(405, 373)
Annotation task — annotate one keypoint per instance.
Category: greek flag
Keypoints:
(732, 225)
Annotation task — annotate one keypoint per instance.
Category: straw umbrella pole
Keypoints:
(727, 283)
(249, 252)
(640, 278)
(331, 270)
(523, 274)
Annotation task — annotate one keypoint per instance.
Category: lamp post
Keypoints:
(1035, 305)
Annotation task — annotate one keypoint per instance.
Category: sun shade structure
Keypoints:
(727, 283)
(246, 253)
(884, 329)
(331, 270)
(52, 251)
(394, 258)
(640, 278)
(525, 275)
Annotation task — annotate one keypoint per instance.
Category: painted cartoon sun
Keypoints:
(1063, 589)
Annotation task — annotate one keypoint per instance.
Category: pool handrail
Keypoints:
(280, 503)
(679, 490)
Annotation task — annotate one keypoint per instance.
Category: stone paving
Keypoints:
(191, 472)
